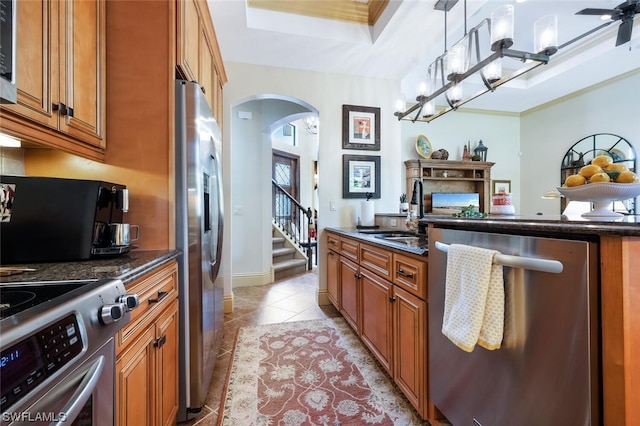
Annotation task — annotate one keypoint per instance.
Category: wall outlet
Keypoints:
(238, 210)
(393, 222)
(332, 206)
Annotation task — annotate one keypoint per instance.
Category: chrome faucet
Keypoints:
(414, 195)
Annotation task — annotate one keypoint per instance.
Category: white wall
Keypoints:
(499, 132)
(547, 133)
(326, 93)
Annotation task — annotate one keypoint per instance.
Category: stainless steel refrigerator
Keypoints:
(199, 225)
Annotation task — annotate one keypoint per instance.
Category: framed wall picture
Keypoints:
(360, 176)
(360, 127)
(501, 186)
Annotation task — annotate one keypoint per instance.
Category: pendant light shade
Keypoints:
(545, 32)
(502, 27)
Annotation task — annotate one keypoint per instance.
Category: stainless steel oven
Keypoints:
(57, 348)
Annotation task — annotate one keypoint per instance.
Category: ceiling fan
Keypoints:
(623, 12)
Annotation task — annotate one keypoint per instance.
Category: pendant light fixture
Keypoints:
(445, 75)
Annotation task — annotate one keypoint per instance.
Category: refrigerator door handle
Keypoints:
(534, 264)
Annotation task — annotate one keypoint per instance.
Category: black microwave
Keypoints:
(8, 91)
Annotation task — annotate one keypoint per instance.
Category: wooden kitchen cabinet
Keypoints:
(198, 56)
(147, 353)
(61, 78)
(383, 297)
(377, 321)
(410, 348)
(451, 176)
(333, 279)
(350, 292)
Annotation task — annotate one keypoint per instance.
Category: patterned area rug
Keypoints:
(308, 372)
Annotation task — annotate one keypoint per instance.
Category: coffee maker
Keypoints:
(56, 219)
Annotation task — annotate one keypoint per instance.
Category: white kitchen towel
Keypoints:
(474, 298)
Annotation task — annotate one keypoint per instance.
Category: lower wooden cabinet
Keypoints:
(383, 296)
(147, 354)
(410, 348)
(376, 329)
(350, 292)
(333, 280)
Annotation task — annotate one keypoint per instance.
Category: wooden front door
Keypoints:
(286, 173)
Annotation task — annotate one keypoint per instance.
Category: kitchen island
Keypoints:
(618, 252)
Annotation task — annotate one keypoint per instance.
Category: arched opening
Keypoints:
(260, 126)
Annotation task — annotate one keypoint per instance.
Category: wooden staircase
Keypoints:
(287, 260)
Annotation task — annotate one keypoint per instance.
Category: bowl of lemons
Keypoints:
(601, 182)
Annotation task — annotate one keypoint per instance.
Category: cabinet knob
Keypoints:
(392, 299)
(160, 341)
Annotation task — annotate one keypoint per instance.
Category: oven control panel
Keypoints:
(26, 364)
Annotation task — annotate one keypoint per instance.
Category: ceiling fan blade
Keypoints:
(624, 32)
(598, 12)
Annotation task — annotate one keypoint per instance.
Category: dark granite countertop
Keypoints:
(419, 247)
(626, 226)
(127, 267)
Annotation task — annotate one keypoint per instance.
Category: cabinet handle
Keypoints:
(55, 107)
(404, 274)
(161, 295)
(392, 299)
(159, 342)
(70, 113)
(358, 276)
(203, 90)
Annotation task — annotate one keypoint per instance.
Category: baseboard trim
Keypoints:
(228, 303)
(251, 280)
(323, 297)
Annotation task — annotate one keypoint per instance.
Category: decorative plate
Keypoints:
(423, 146)
(617, 155)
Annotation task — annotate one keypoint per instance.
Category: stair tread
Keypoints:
(282, 251)
(289, 263)
(277, 239)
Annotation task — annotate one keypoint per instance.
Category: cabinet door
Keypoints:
(82, 70)
(376, 321)
(136, 381)
(188, 37)
(333, 278)
(350, 292)
(36, 62)
(206, 69)
(410, 348)
(167, 356)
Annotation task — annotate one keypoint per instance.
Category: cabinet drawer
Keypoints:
(349, 248)
(377, 260)
(410, 274)
(155, 291)
(333, 242)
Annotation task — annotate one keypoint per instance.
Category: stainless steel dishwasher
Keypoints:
(547, 369)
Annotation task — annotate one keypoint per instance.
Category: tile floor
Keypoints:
(291, 299)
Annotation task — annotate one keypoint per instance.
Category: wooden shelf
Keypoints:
(451, 176)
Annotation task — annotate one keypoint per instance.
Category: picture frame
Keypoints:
(360, 127)
(501, 186)
(360, 176)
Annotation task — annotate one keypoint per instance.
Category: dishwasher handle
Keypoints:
(543, 265)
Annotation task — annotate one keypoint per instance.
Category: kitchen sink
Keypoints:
(399, 237)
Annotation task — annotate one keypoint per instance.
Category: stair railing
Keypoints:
(294, 220)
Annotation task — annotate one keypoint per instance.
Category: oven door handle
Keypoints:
(85, 389)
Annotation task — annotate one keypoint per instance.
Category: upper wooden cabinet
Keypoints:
(198, 55)
(60, 76)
